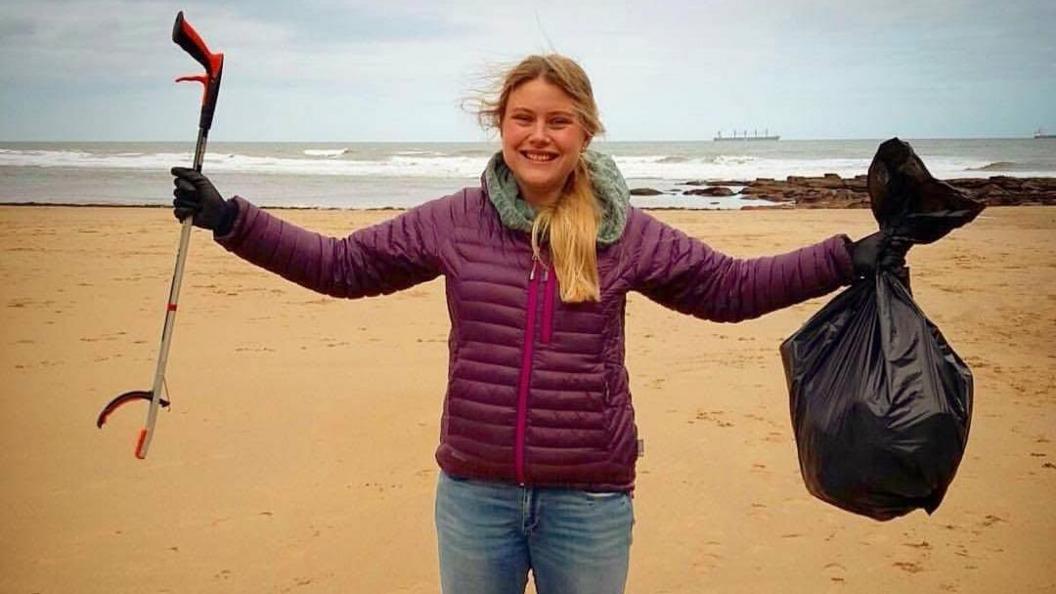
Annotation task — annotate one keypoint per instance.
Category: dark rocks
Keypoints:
(709, 191)
(645, 192)
(833, 191)
(1001, 190)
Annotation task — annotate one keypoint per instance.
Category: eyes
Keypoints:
(556, 122)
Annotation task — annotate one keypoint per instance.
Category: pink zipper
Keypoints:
(548, 304)
(526, 372)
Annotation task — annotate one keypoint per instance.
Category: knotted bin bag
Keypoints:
(881, 404)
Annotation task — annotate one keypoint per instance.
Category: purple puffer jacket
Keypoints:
(537, 391)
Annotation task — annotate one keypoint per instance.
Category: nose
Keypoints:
(538, 136)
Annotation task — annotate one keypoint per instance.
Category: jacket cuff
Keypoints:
(227, 220)
(844, 256)
(234, 216)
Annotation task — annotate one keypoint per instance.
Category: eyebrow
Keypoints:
(549, 113)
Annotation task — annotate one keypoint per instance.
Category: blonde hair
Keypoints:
(572, 221)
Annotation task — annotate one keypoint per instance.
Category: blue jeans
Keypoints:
(492, 533)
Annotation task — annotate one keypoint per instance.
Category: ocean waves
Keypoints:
(402, 174)
(460, 162)
(1013, 167)
(322, 162)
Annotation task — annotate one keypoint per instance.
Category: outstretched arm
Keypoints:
(387, 257)
(392, 255)
(683, 273)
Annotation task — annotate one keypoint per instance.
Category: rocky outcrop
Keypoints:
(645, 192)
(1002, 190)
(828, 191)
(833, 191)
(709, 191)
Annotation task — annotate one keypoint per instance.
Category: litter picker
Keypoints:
(184, 35)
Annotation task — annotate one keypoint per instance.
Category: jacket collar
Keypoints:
(609, 188)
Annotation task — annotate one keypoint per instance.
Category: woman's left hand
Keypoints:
(878, 252)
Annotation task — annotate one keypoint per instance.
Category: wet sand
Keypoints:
(298, 454)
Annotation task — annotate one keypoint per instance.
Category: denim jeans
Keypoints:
(491, 534)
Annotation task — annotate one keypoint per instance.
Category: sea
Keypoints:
(357, 175)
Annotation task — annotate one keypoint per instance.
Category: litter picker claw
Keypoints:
(184, 35)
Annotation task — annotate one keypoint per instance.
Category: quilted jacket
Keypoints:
(537, 391)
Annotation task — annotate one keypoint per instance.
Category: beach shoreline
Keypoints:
(298, 453)
(795, 192)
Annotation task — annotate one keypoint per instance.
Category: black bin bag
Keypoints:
(881, 405)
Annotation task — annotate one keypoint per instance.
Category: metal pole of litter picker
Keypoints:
(170, 314)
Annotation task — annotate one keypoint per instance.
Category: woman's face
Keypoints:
(541, 139)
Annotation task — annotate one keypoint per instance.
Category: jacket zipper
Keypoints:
(526, 373)
(548, 304)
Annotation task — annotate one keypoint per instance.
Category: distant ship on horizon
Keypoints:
(1040, 133)
(755, 136)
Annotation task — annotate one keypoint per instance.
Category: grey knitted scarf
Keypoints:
(609, 188)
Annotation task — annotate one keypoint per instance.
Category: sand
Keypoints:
(298, 454)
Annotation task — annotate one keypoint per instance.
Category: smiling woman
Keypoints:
(547, 116)
(538, 442)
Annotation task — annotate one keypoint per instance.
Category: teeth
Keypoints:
(539, 156)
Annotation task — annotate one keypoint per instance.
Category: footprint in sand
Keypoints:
(775, 437)
(836, 567)
(991, 519)
(923, 545)
(712, 416)
(908, 566)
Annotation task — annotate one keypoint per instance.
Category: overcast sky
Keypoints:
(318, 70)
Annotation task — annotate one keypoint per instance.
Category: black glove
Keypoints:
(195, 195)
(878, 251)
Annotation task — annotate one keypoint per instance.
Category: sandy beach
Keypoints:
(298, 454)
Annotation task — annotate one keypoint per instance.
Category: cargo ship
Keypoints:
(744, 136)
(1039, 133)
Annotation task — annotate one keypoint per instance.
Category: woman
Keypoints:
(538, 442)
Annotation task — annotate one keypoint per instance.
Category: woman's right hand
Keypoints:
(196, 196)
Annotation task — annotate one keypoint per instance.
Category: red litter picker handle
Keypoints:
(184, 35)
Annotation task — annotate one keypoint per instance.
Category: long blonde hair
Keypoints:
(571, 223)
